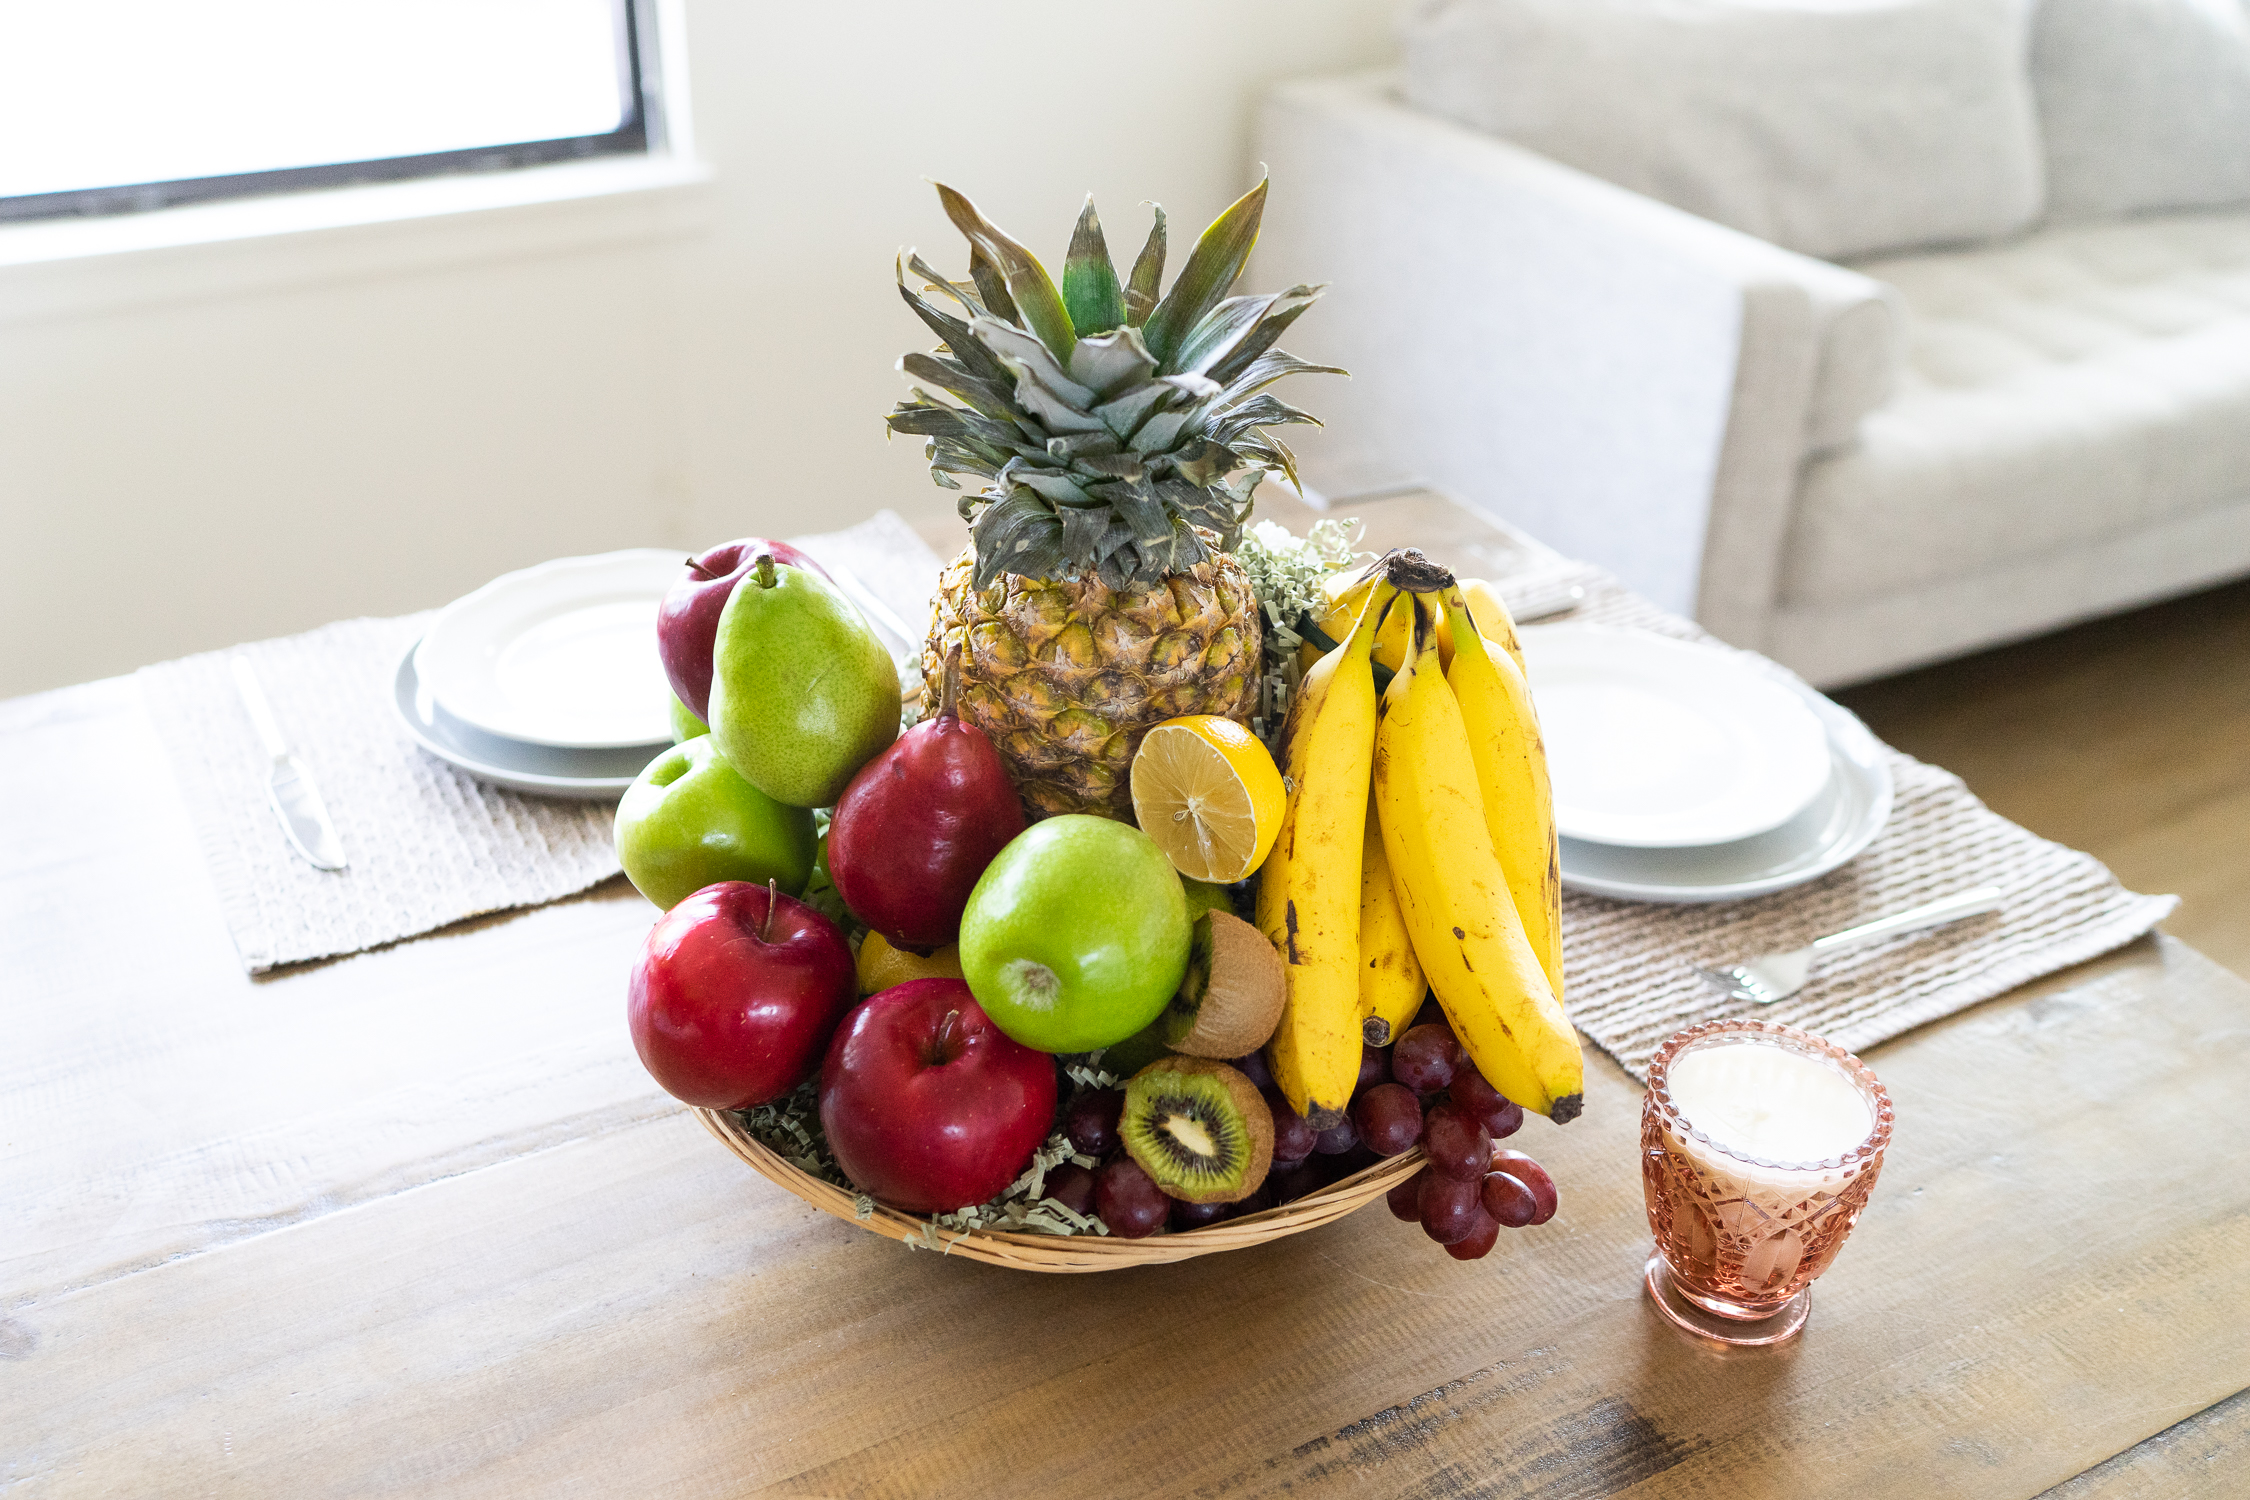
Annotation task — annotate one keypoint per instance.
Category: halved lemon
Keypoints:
(1209, 794)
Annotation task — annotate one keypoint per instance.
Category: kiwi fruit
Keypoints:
(1230, 1000)
(1199, 1128)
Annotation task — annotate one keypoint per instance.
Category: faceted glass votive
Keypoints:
(1759, 1146)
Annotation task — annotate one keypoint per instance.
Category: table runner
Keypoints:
(428, 845)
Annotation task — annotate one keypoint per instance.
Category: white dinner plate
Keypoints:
(545, 770)
(1662, 744)
(562, 654)
(1842, 820)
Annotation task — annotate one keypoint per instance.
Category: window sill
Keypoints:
(61, 268)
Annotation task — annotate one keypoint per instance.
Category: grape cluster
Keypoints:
(1471, 1189)
(1422, 1091)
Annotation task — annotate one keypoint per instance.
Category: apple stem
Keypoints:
(773, 899)
(950, 685)
(945, 1032)
(763, 570)
(695, 566)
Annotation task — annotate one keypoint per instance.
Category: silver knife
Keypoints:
(289, 786)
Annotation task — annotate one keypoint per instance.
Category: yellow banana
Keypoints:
(1308, 888)
(1511, 763)
(1345, 599)
(1449, 883)
(1390, 976)
(1493, 621)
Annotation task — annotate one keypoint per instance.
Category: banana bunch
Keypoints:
(1425, 858)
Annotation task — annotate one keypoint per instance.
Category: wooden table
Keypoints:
(414, 1222)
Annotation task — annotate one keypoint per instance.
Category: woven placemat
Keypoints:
(427, 844)
(1628, 964)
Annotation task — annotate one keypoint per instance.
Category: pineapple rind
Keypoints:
(1065, 676)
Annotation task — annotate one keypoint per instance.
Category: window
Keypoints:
(115, 105)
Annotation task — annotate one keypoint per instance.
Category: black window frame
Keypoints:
(638, 133)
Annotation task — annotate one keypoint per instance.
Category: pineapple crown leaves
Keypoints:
(1107, 419)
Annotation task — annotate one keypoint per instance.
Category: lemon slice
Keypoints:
(1209, 794)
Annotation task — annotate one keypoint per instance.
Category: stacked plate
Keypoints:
(1689, 773)
(547, 680)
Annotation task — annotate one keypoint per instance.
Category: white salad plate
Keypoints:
(560, 655)
(1843, 819)
(544, 770)
(1662, 744)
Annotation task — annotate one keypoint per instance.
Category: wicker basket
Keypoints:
(1084, 1252)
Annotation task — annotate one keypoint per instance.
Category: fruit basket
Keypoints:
(1212, 898)
(1078, 1252)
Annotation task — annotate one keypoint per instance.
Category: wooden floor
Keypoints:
(2128, 737)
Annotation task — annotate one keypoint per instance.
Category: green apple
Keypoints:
(1202, 896)
(1076, 935)
(685, 725)
(688, 821)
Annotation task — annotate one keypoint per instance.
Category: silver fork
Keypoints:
(1777, 976)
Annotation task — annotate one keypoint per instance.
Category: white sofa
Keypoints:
(1855, 468)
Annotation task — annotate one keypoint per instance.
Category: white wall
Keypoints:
(192, 460)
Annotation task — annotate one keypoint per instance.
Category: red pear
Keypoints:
(917, 826)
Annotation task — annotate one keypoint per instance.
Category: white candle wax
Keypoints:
(1769, 1102)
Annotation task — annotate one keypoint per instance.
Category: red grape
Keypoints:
(1477, 1243)
(1389, 1118)
(1456, 1143)
(1196, 1215)
(1129, 1201)
(1405, 1200)
(1425, 1058)
(1091, 1120)
(1253, 1067)
(1072, 1186)
(1531, 1175)
(1293, 1139)
(1509, 1201)
(1502, 1116)
(1374, 1068)
(1449, 1207)
(1338, 1138)
(1257, 1203)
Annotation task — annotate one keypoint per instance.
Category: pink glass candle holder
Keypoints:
(1759, 1146)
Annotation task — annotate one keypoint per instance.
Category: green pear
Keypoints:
(802, 693)
(685, 725)
(689, 821)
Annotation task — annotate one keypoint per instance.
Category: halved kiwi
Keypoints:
(1230, 1001)
(1199, 1128)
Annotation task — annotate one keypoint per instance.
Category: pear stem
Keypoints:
(773, 899)
(762, 570)
(949, 688)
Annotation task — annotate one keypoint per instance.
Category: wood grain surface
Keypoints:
(413, 1223)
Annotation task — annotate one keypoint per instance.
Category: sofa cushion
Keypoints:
(1834, 127)
(2144, 104)
(2078, 385)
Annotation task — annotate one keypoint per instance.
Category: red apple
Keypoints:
(688, 620)
(737, 991)
(917, 826)
(928, 1105)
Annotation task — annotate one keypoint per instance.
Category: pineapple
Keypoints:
(1119, 435)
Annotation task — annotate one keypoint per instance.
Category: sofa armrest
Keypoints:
(1632, 384)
